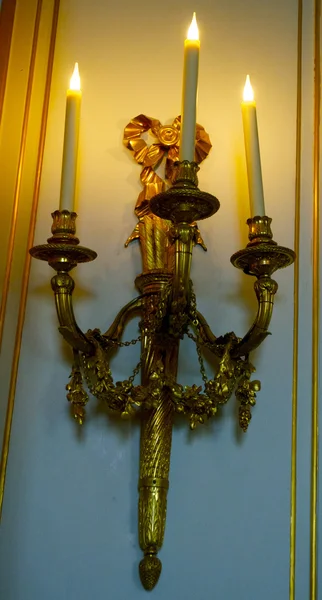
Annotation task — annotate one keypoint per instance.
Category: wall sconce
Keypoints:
(168, 211)
(167, 232)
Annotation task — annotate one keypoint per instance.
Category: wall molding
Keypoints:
(49, 22)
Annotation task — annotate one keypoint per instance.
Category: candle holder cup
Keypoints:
(262, 255)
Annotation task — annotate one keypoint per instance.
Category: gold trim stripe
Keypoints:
(26, 271)
(7, 16)
(315, 302)
(296, 303)
(22, 149)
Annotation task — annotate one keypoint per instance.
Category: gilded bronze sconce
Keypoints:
(168, 211)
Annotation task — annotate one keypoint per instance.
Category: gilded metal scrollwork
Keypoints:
(167, 232)
(77, 395)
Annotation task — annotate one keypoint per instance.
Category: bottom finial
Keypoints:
(150, 569)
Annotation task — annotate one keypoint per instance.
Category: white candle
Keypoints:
(69, 166)
(189, 92)
(253, 160)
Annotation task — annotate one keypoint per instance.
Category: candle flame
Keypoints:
(75, 79)
(193, 31)
(248, 94)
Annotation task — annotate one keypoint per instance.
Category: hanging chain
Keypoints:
(196, 339)
(117, 344)
(153, 327)
(160, 313)
(202, 365)
(136, 370)
(195, 321)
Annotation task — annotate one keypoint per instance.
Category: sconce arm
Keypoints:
(63, 253)
(265, 289)
(204, 330)
(115, 331)
(261, 258)
(63, 286)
